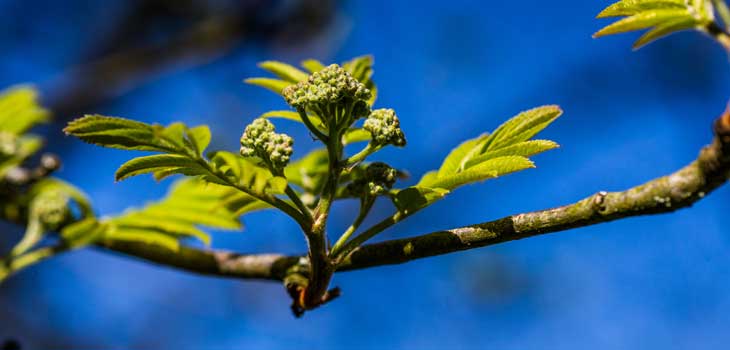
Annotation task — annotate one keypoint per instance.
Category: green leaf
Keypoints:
(458, 157)
(356, 135)
(665, 29)
(120, 133)
(20, 111)
(199, 138)
(284, 71)
(412, 199)
(491, 155)
(632, 7)
(428, 178)
(310, 171)
(159, 162)
(274, 85)
(644, 20)
(143, 221)
(312, 65)
(290, 115)
(361, 68)
(521, 127)
(483, 171)
(148, 237)
(247, 174)
(524, 149)
(83, 232)
(189, 204)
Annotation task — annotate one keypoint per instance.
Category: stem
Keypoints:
(719, 34)
(15, 264)
(722, 10)
(372, 232)
(298, 202)
(308, 123)
(299, 217)
(666, 194)
(364, 210)
(33, 234)
(322, 269)
(364, 153)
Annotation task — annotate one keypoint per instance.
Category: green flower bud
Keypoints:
(378, 179)
(51, 209)
(260, 140)
(384, 127)
(331, 85)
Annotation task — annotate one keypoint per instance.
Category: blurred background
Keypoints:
(452, 70)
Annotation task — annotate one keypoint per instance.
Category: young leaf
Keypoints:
(361, 69)
(312, 65)
(524, 149)
(120, 133)
(199, 138)
(521, 127)
(309, 172)
(412, 199)
(274, 85)
(502, 152)
(662, 17)
(460, 155)
(159, 162)
(356, 135)
(284, 71)
(247, 174)
(486, 170)
(291, 115)
(644, 20)
(665, 29)
(148, 237)
(632, 7)
(20, 111)
(83, 232)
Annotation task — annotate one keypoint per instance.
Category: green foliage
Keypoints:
(661, 17)
(19, 112)
(328, 100)
(488, 156)
(361, 68)
(50, 203)
(191, 203)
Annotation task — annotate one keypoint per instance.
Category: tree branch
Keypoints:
(663, 195)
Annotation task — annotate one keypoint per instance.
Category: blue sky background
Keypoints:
(451, 70)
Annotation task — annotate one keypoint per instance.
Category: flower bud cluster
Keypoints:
(328, 93)
(51, 209)
(260, 140)
(330, 85)
(384, 127)
(378, 179)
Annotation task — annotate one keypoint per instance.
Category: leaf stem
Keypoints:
(12, 265)
(364, 153)
(371, 232)
(272, 200)
(298, 202)
(365, 207)
(723, 11)
(308, 123)
(719, 34)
